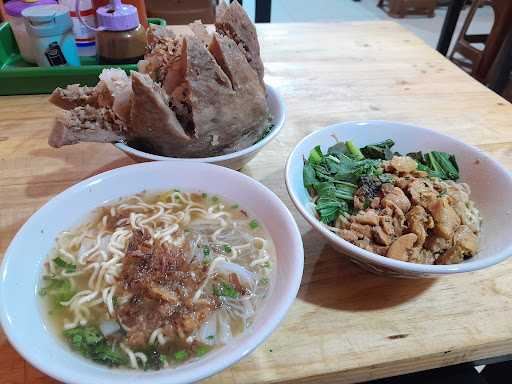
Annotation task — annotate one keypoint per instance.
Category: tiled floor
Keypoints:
(285, 11)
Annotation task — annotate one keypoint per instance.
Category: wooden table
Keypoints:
(346, 325)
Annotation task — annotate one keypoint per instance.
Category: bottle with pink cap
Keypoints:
(120, 38)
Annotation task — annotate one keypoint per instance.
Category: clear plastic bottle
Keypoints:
(85, 38)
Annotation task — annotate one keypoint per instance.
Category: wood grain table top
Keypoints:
(346, 325)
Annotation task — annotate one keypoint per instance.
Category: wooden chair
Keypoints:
(2, 12)
(478, 61)
(400, 8)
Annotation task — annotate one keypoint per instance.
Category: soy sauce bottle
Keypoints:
(121, 39)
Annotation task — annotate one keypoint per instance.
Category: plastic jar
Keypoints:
(50, 30)
(121, 38)
(13, 10)
(85, 38)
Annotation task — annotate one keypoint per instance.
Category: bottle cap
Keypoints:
(117, 16)
(15, 7)
(47, 20)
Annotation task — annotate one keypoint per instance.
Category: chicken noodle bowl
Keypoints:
(157, 279)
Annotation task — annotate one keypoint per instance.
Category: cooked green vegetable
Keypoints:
(380, 150)
(206, 250)
(90, 342)
(226, 290)
(68, 267)
(180, 355)
(227, 249)
(437, 164)
(202, 350)
(353, 151)
(253, 224)
(334, 177)
(58, 290)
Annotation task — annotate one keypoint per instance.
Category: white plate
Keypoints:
(235, 160)
(20, 310)
(490, 183)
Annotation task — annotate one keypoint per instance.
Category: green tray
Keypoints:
(18, 77)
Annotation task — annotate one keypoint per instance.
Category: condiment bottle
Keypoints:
(120, 39)
(85, 38)
(139, 4)
(13, 9)
(50, 30)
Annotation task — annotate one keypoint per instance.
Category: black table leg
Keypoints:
(450, 21)
(503, 66)
(263, 9)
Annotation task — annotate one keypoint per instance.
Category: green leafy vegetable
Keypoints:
(57, 289)
(380, 150)
(253, 224)
(181, 356)
(353, 151)
(226, 290)
(202, 350)
(309, 175)
(90, 342)
(437, 164)
(316, 156)
(61, 263)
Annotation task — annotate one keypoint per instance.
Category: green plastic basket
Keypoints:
(18, 77)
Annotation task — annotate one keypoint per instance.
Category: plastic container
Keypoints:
(13, 10)
(50, 30)
(84, 37)
(120, 37)
(17, 77)
(139, 4)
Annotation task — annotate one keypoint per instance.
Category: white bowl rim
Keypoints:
(467, 266)
(278, 125)
(252, 340)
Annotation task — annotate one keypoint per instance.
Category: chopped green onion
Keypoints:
(202, 350)
(206, 250)
(181, 355)
(211, 337)
(61, 263)
(227, 249)
(253, 224)
(226, 290)
(264, 281)
(266, 264)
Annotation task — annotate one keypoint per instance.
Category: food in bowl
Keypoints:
(157, 279)
(405, 207)
(195, 96)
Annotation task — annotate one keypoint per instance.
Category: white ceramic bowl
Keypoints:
(20, 311)
(235, 160)
(490, 183)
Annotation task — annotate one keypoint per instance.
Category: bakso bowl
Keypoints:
(21, 310)
(234, 160)
(490, 183)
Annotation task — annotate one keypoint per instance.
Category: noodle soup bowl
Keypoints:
(490, 184)
(22, 314)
